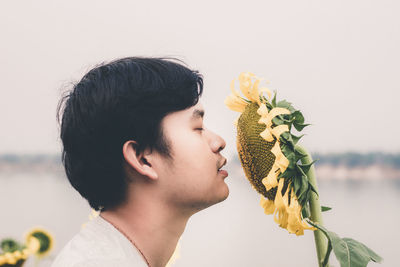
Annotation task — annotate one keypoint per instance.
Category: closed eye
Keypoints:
(201, 129)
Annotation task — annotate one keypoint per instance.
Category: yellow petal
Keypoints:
(282, 218)
(262, 110)
(255, 95)
(236, 122)
(278, 111)
(295, 223)
(286, 198)
(273, 113)
(280, 159)
(266, 135)
(278, 130)
(262, 120)
(265, 89)
(279, 202)
(235, 103)
(268, 205)
(233, 90)
(271, 180)
(245, 84)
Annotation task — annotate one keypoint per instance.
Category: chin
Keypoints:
(226, 192)
(223, 194)
(211, 200)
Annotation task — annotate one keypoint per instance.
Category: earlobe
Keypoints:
(138, 161)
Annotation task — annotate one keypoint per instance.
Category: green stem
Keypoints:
(321, 242)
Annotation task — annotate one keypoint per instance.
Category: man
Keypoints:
(135, 146)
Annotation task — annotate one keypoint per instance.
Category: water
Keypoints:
(232, 233)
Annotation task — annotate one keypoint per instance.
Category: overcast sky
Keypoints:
(337, 61)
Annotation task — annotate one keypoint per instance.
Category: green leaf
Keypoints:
(288, 118)
(286, 137)
(296, 138)
(299, 154)
(286, 150)
(269, 106)
(287, 105)
(329, 248)
(283, 104)
(325, 262)
(299, 118)
(296, 184)
(303, 193)
(299, 126)
(305, 211)
(273, 102)
(277, 121)
(292, 159)
(349, 252)
(300, 170)
(324, 208)
(313, 188)
(306, 167)
(289, 172)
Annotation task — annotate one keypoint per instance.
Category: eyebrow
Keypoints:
(197, 113)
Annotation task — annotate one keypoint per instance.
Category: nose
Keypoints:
(217, 142)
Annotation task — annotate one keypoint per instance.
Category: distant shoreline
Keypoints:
(329, 167)
(325, 170)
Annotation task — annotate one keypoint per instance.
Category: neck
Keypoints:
(152, 225)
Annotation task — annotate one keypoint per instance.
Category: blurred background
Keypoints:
(336, 61)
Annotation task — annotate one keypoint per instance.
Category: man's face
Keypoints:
(191, 180)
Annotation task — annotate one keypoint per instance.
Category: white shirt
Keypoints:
(99, 244)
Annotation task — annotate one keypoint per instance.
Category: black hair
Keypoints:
(122, 100)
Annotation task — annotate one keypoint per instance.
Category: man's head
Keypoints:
(137, 121)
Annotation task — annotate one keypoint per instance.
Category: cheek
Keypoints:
(192, 153)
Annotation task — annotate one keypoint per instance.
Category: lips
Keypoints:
(223, 172)
(223, 164)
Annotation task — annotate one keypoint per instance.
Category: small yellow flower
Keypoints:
(39, 242)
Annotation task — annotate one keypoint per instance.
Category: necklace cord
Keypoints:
(132, 242)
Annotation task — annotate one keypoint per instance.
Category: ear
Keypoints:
(141, 162)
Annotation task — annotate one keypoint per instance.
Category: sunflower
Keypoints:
(39, 242)
(268, 153)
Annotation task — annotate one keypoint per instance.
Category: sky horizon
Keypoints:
(337, 62)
